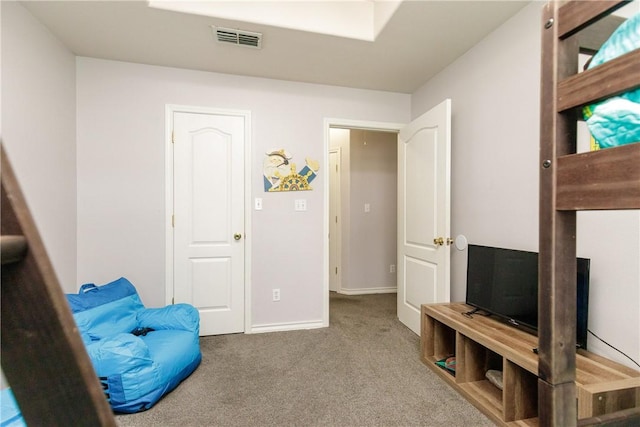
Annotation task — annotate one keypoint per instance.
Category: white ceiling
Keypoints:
(420, 39)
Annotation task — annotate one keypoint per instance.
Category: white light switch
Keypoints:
(301, 204)
(258, 204)
(367, 207)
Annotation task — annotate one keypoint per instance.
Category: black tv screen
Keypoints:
(504, 282)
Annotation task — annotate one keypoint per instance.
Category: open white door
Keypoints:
(209, 221)
(424, 210)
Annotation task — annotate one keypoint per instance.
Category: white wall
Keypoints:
(38, 131)
(495, 101)
(121, 172)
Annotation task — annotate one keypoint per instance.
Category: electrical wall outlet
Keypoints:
(276, 294)
(392, 268)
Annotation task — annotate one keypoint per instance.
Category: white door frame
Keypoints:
(346, 124)
(170, 109)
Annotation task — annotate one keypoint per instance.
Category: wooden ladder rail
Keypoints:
(609, 179)
(43, 356)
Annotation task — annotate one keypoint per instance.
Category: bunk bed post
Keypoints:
(43, 355)
(557, 267)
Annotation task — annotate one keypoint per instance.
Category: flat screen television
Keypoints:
(504, 283)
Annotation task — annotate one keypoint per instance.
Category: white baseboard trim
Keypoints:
(281, 327)
(366, 291)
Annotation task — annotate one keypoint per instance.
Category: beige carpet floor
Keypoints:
(363, 370)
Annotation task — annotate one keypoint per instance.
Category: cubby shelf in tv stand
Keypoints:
(481, 343)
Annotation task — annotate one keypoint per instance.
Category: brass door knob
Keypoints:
(237, 236)
(440, 241)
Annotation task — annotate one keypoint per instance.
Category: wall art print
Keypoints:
(280, 173)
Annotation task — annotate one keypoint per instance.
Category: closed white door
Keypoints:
(208, 174)
(424, 165)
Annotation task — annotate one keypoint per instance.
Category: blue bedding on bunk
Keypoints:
(11, 416)
(616, 120)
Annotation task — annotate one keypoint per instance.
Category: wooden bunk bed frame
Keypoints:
(599, 180)
(43, 356)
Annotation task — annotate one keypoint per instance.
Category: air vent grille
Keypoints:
(238, 37)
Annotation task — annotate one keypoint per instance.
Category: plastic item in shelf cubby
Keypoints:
(448, 364)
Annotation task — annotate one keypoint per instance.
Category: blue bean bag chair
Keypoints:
(139, 353)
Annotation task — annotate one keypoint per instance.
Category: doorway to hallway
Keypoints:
(361, 207)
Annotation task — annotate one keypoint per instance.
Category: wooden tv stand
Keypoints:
(481, 343)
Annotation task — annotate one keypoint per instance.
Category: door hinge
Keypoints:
(336, 270)
(336, 219)
(173, 221)
(336, 168)
(173, 300)
(173, 137)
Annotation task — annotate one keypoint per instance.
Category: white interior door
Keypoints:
(424, 169)
(334, 218)
(208, 175)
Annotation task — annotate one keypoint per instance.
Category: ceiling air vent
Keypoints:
(238, 37)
